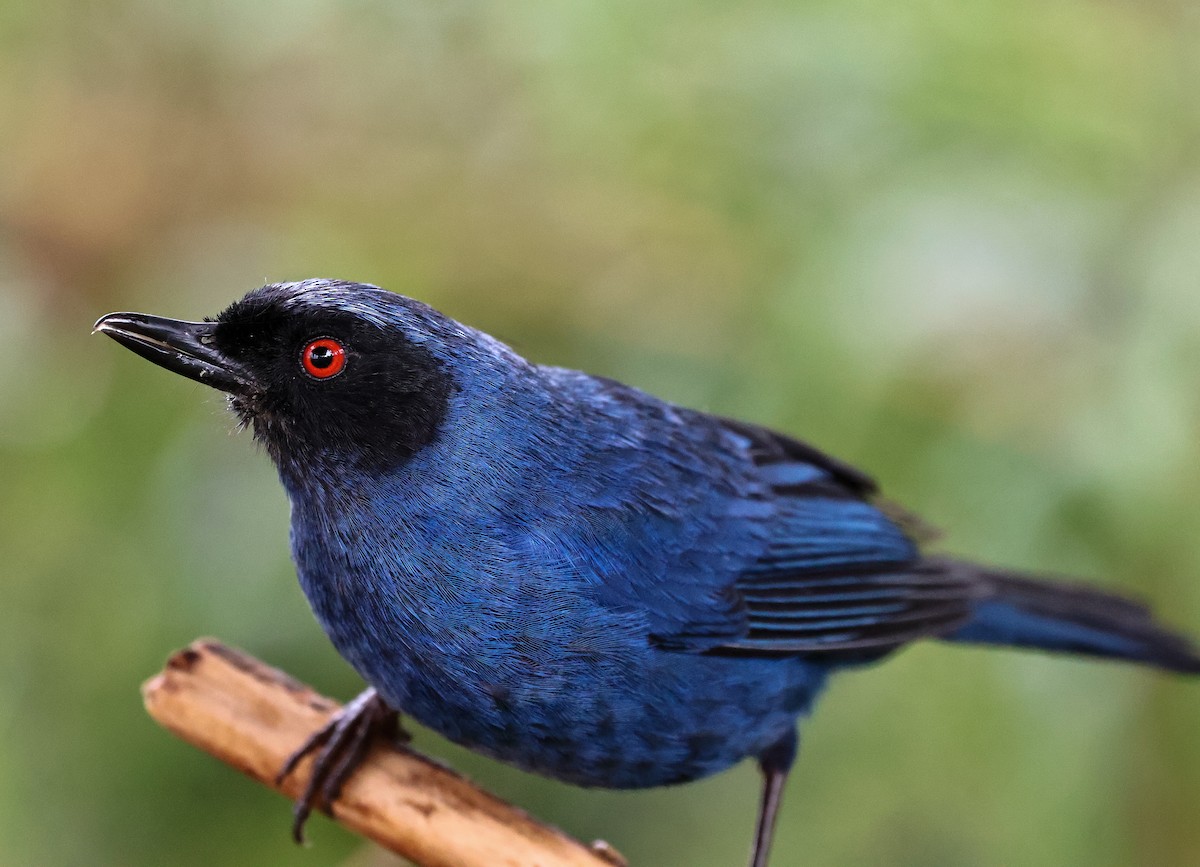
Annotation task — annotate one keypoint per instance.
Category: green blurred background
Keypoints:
(956, 243)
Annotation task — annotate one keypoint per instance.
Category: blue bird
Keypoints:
(573, 576)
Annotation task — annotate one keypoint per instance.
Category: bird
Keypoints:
(570, 575)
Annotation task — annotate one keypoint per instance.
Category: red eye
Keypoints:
(323, 358)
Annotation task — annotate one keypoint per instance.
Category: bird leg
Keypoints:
(343, 743)
(775, 764)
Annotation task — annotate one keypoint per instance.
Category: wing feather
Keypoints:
(840, 575)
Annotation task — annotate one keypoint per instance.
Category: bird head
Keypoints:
(325, 372)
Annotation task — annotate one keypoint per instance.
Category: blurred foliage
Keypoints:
(957, 243)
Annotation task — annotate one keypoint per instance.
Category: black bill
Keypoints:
(183, 347)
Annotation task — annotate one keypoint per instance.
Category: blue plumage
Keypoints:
(571, 575)
(519, 619)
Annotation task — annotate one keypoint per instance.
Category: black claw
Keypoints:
(344, 764)
(315, 740)
(343, 743)
(301, 810)
(333, 734)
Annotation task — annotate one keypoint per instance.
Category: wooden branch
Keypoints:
(252, 717)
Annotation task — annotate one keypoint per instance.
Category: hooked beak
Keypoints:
(183, 347)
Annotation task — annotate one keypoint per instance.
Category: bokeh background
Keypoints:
(956, 243)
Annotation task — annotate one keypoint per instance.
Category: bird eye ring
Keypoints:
(323, 358)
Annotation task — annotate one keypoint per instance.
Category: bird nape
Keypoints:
(573, 576)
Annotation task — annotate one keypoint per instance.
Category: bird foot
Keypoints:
(342, 745)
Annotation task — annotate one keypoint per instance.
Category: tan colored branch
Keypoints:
(252, 717)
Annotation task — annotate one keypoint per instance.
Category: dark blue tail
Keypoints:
(1068, 618)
